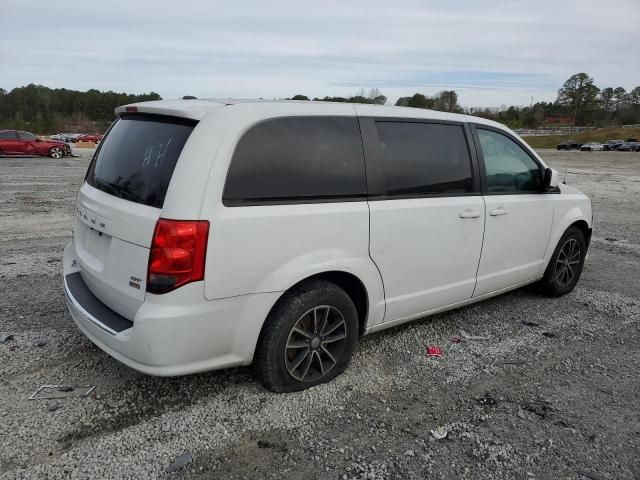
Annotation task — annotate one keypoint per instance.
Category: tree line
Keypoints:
(45, 110)
(445, 101)
(579, 102)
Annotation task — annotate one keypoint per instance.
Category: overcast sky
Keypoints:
(491, 52)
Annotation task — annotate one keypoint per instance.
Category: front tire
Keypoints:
(56, 152)
(308, 338)
(565, 266)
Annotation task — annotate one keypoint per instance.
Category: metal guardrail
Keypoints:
(566, 130)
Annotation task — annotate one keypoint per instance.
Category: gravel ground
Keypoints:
(557, 400)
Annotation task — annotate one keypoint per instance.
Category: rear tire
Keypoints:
(308, 338)
(565, 267)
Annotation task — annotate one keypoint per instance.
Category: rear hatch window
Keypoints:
(135, 161)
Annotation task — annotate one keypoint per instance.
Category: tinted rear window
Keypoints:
(135, 161)
(297, 159)
(424, 158)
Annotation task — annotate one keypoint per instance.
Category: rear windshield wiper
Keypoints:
(119, 191)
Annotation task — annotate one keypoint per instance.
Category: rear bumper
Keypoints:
(173, 334)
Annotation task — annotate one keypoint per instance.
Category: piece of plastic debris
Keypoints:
(439, 433)
(5, 338)
(611, 239)
(456, 340)
(549, 334)
(53, 407)
(522, 414)
(487, 399)
(61, 391)
(466, 336)
(180, 462)
(434, 351)
(529, 323)
(587, 474)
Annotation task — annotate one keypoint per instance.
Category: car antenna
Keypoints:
(566, 166)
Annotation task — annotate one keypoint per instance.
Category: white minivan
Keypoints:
(210, 234)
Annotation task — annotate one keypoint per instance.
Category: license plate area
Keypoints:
(92, 246)
(97, 244)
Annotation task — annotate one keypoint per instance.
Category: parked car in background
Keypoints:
(90, 137)
(208, 235)
(591, 147)
(568, 145)
(628, 147)
(611, 145)
(15, 142)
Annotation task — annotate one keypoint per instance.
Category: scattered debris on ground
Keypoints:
(578, 391)
(529, 323)
(6, 338)
(47, 392)
(180, 462)
(466, 336)
(434, 351)
(439, 433)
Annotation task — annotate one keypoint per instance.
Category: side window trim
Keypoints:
(483, 172)
(376, 184)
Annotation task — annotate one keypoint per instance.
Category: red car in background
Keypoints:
(90, 137)
(15, 142)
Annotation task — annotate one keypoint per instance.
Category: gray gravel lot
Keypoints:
(558, 400)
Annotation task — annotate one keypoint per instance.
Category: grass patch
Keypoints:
(600, 135)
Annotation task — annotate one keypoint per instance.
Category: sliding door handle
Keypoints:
(498, 211)
(468, 213)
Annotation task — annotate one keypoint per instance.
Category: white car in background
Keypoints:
(211, 234)
(591, 147)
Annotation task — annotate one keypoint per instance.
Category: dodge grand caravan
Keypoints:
(211, 234)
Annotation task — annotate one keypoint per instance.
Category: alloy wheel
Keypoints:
(567, 262)
(56, 152)
(316, 343)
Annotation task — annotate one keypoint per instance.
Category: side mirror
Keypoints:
(550, 179)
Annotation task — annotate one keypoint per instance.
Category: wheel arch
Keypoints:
(583, 226)
(350, 283)
(579, 223)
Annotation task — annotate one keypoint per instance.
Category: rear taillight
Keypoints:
(178, 252)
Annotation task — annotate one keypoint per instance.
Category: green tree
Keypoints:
(447, 101)
(45, 110)
(606, 98)
(579, 95)
(299, 97)
(418, 100)
(619, 97)
(376, 97)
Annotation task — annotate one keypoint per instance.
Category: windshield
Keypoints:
(136, 159)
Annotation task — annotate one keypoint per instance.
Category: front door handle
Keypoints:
(468, 213)
(498, 211)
